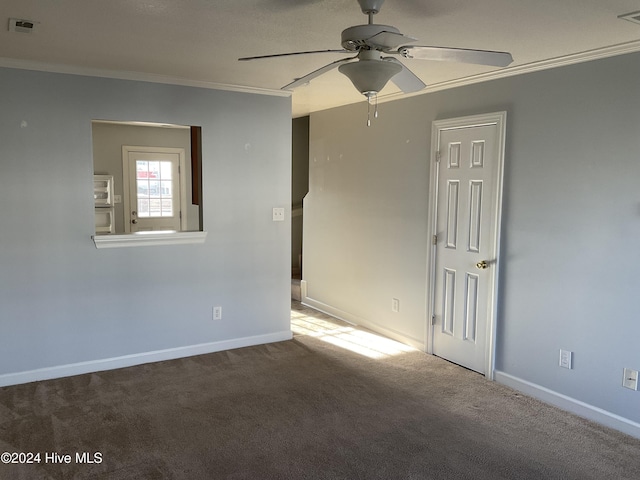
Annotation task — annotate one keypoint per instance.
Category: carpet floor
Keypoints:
(336, 402)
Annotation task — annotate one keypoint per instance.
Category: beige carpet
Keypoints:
(334, 403)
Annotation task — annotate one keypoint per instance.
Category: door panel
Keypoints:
(471, 307)
(466, 216)
(453, 195)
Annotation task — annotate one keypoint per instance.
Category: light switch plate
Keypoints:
(630, 379)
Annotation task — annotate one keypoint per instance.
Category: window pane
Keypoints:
(167, 207)
(165, 170)
(154, 207)
(142, 169)
(143, 188)
(143, 207)
(154, 188)
(154, 169)
(166, 188)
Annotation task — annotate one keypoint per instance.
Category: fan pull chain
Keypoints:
(375, 109)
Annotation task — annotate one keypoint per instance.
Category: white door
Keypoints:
(466, 220)
(153, 188)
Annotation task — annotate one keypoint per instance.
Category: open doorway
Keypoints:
(299, 188)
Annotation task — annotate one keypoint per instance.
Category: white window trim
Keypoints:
(146, 239)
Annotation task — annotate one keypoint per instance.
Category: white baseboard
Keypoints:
(361, 322)
(569, 404)
(139, 359)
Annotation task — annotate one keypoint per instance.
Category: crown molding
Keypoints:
(572, 59)
(136, 76)
(565, 60)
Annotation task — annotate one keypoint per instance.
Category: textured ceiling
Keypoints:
(199, 41)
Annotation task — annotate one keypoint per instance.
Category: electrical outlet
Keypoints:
(278, 214)
(217, 313)
(395, 305)
(565, 359)
(630, 379)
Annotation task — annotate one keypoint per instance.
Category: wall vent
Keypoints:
(21, 25)
(631, 17)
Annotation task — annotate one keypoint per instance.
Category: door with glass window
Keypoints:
(153, 194)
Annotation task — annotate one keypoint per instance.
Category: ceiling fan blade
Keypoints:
(244, 59)
(388, 40)
(406, 80)
(316, 73)
(480, 57)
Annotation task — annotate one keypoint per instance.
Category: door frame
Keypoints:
(126, 181)
(500, 120)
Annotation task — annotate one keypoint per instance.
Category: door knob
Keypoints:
(134, 221)
(482, 265)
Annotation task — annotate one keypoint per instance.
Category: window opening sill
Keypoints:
(146, 239)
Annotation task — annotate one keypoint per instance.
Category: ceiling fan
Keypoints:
(369, 70)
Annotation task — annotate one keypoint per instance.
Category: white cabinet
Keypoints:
(104, 205)
(103, 190)
(104, 220)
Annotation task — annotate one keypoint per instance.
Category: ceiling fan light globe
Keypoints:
(370, 76)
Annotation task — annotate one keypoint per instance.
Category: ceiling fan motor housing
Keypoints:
(359, 36)
(370, 6)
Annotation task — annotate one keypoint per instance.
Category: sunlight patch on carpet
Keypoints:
(347, 337)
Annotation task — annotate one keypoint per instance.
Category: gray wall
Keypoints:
(62, 301)
(571, 222)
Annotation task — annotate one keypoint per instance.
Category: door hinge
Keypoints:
(434, 240)
(180, 214)
(433, 319)
(438, 156)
